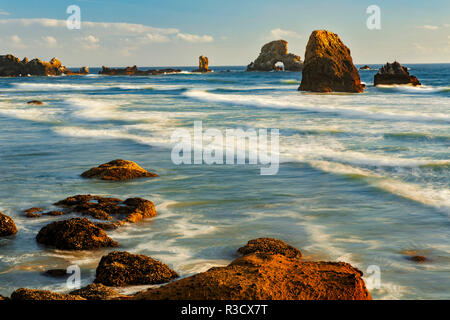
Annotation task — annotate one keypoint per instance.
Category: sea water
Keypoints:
(364, 178)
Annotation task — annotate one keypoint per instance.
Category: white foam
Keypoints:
(301, 102)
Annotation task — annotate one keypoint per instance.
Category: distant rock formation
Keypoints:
(328, 65)
(394, 73)
(272, 53)
(74, 234)
(84, 70)
(118, 170)
(134, 71)
(7, 226)
(202, 65)
(268, 275)
(123, 268)
(10, 66)
(366, 67)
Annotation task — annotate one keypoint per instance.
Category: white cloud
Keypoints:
(429, 27)
(17, 41)
(279, 33)
(3, 13)
(89, 42)
(193, 38)
(155, 37)
(50, 41)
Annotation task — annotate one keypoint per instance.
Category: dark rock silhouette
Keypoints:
(394, 73)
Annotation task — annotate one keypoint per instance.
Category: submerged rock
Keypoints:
(123, 268)
(134, 71)
(7, 226)
(262, 276)
(34, 294)
(35, 103)
(131, 210)
(56, 273)
(272, 53)
(97, 291)
(74, 234)
(328, 65)
(10, 66)
(34, 212)
(270, 246)
(418, 259)
(202, 65)
(118, 170)
(394, 73)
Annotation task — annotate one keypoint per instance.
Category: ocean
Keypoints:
(364, 178)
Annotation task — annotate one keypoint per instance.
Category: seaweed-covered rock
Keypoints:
(123, 268)
(34, 294)
(97, 291)
(7, 226)
(328, 65)
(118, 170)
(271, 246)
(74, 234)
(273, 272)
(131, 210)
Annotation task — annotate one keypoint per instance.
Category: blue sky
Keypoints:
(171, 33)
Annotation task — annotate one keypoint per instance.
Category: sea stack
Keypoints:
(273, 53)
(394, 73)
(202, 65)
(328, 65)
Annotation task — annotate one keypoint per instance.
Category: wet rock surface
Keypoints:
(118, 170)
(97, 291)
(33, 294)
(7, 226)
(270, 246)
(123, 268)
(74, 234)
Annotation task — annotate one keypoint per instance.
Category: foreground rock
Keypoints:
(7, 226)
(97, 291)
(270, 246)
(123, 268)
(272, 53)
(394, 73)
(131, 210)
(74, 234)
(202, 65)
(118, 170)
(134, 71)
(328, 65)
(33, 294)
(270, 270)
(10, 66)
(261, 276)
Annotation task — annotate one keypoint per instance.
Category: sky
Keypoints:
(174, 33)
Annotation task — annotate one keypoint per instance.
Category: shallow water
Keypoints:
(363, 178)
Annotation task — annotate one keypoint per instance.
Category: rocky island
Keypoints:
(202, 65)
(11, 66)
(394, 73)
(273, 53)
(134, 71)
(328, 65)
